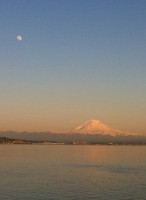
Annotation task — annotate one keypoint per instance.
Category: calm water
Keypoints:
(58, 172)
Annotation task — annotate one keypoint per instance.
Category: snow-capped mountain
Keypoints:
(97, 127)
(92, 132)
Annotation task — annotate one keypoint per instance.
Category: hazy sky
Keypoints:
(77, 60)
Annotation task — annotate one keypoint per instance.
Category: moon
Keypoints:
(19, 38)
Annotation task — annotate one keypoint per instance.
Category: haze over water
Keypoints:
(63, 172)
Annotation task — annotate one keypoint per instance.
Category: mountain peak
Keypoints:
(95, 127)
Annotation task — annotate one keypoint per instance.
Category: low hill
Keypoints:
(5, 140)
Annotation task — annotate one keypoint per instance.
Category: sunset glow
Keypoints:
(65, 62)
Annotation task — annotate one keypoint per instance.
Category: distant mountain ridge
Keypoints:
(91, 132)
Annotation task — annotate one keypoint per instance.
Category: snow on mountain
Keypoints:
(97, 127)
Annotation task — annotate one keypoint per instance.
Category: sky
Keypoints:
(77, 60)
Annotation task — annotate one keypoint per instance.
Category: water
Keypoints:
(67, 172)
